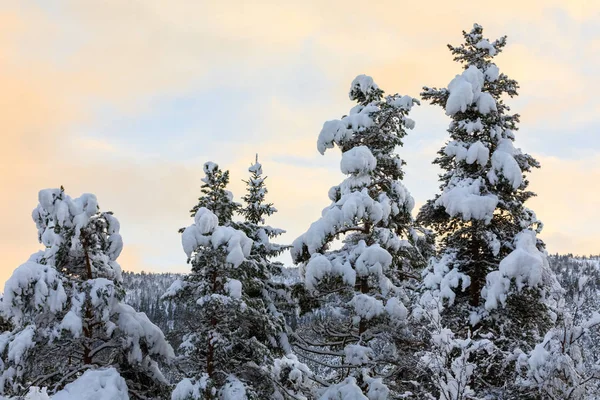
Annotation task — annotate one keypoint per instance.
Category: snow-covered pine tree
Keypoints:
(565, 364)
(66, 305)
(491, 277)
(289, 375)
(233, 328)
(358, 293)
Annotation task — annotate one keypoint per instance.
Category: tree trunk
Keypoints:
(87, 328)
(210, 367)
(477, 274)
(364, 288)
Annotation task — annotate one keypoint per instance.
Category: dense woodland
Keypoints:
(458, 300)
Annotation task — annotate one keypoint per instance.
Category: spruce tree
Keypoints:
(491, 279)
(290, 377)
(359, 293)
(234, 331)
(564, 365)
(66, 306)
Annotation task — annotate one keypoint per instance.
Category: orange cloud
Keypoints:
(567, 203)
(54, 64)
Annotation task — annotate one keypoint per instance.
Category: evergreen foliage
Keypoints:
(66, 306)
(360, 340)
(234, 330)
(490, 284)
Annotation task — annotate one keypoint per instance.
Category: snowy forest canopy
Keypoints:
(460, 302)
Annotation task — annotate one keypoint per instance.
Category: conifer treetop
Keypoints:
(215, 195)
(256, 208)
(372, 196)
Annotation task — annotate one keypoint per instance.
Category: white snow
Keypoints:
(395, 309)
(462, 196)
(35, 393)
(289, 370)
(486, 103)
(503, 161)
(338, 131)
(443, 279)
(100, 384)
(409, 123)
(114, 226)
(377, 390)
(237, 243)
(256, 168)
(72, 323)
(523, 267)
(465, 89)
(176, 287)
(116, 246)
(461, 95)
(209, 167)
(21, 344)
(367, 307)
(205, 220)
(40, 283)
(319, 266)
(357, 355)
(478, 152)
(493, 242)
(404, 102)
(485, 44)
(137, 327)
(57, 211)
(349, 208)
(345, 390)
(373, 260)
(471, 126)
(492, 73)
(205, 231)
(358, 160)
(186, 389)
(234, 288)
(458, 150)
(189, 240)
(364, 84)
(233, 390)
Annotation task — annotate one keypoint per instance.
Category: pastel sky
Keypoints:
(128, 99)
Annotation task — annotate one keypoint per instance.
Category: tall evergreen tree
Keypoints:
(360, 291)
(66, 306)
(234, 331)
(290, 377)
(491, 274)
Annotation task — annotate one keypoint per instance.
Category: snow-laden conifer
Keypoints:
(290, 377)
(358, 337)
(491, 284)
(566, 363)
(66, 306)
(234, 330)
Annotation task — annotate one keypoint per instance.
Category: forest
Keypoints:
(457, 300)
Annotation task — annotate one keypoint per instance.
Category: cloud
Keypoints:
(567, 203)
(272, 73)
